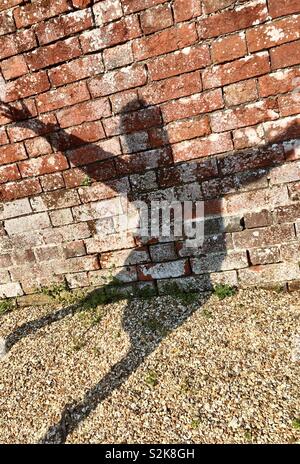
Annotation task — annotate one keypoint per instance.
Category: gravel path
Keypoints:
(215, 372)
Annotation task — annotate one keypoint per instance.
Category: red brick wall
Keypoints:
(154, 98)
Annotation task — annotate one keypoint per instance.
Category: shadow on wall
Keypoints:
(146, 145)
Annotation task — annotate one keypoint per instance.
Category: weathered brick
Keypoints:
(229, 48)
(38, 146)
(186, 9)
(81, 3)
(131, 6)
(43, 165)
(164, 270)
(27, 223)
(48, 253)
(285, 55)
(112, 34)
(7, 24)
(192, 106)
(10, 290)
(19, 42)
(244, 116)
(79, 279)
(115, 81)
(263, 237)
(9, 173)
(61, 217)
(276, 33)
(174, 87)
(188, 129)
(14, 67)
(12, 153)
(55, 200)
(52, 54)
(240, 17)
(74, 249)
(27, 85)
(283, 129)
(279, 82)
(286, 173)
(96, 152)
(3, 136)
(107, 11)
(241, 92)
(63, 26)
(103, 191)
(23, 109)
(187, 59)
(81, 68)
(166, 41)
(288, 213)
(157, 18)
(139, 162)
(9, 4)
(95, 171)
(33, 127)
(289, 104)
(53, 181)
(228, 73)
(112, 242)
(264, 255)
(15, 208)
(187, 172)
(213, 144)
(258, 219)
(219, 262)
(125, 101)
(118, 56)
(124, 257)
(282, 8)
(69, 95)
(270, 273)
(38, 11)
(290, 251)
(210, 6)
(84, 112)
(134, 121)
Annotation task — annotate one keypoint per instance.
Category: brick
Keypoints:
(15, 208)
(241, 17)
(294, 191)
(115, 81)
(3, 136)
(11, 153)
(94, 171)
(96, 152)
(264, 255)
(282, 8)
(51, 182)
(112, 34)
(14, 67)
(270, 273)
(29, 129)
(102, 277)
(213, 144)
(80, 279)
(134, 121)
(187, 59)
(163, 252)
(81, 68)
(7, 24)
(290, 251)
(210, 6)
(279, 82)
(219, 262)
(157, 18)
(84, 112)
(228, 73)
(43, 165)
(9, 4)
(285, 55)
(55, 200)
(229, 48)
(285, 173)
(9, 173)
(118, 56)
(192, 106)
(61, 217)
(289, 104)
(107, 11)
(288, 213)
(241, 92)
(27, 223)
(275, 33)
(244, 116)
(48, 253)
(20, 110)
(258, 219)
(144, 182)
(19, 42)
(39, 11)
(53, 54)
(125, 101)
(103, 191)
(250, 159)
(67, 96)
(187, 172)
(139, 162)
(112, 242)
(186, 9)
(81, 3)
(27, 85)
(263, 237)
(174, 38)
(124, 258)
(283, 129)
(4, 277)
(188, 129)
(163, 270)
(131, 6)
(174, 87)
(10, 290)
(38, 146)
(74, 249)
(83, 263)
